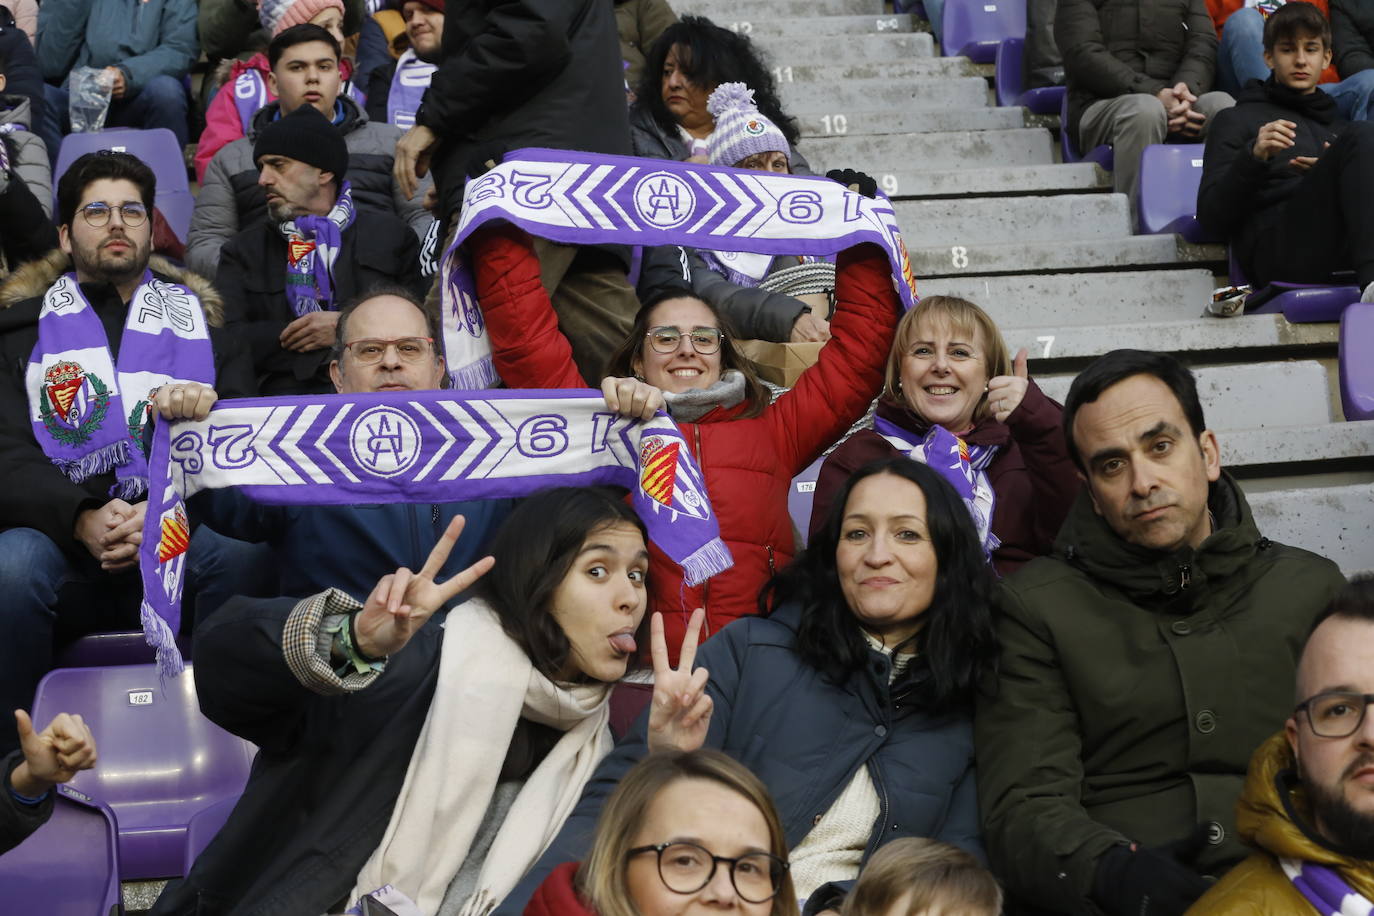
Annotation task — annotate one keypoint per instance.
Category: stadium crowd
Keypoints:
(1027, 657)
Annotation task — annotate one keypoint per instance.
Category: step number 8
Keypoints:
(959, 256)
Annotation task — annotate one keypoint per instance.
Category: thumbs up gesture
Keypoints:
(1006, 391)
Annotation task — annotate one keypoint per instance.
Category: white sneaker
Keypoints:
(1368, 294)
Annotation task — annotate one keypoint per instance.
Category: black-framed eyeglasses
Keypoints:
(370, 350)
(685, 868)
(704, 340)
(1336, 715)
(97, 213)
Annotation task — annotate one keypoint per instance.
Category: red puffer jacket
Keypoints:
(557, 896)
(748, 463)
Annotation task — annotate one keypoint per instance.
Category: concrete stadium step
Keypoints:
(961, 93)
(1080, 177)
(1338, 441)
(1197, 336)
(1334, 521)
(932, 151)
(874, 48)
(1056, 301)
(861, 123)
(972, 258)
(726, 12)
(1250, 396)
(747, 22)
(841, 65)
(986, 221)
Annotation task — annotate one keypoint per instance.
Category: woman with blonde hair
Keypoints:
(684, 831)
(955, 400)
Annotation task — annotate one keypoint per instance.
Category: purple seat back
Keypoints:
(161, 761)
(799, 498)
(158, 148)
(1357, 361)
(96, 650)
(1008, 75)
(974, 28)
(1169, 177)
(1068, 144)
(1302, 302)
(68, 867)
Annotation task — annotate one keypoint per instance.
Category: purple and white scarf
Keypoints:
(744, 268)
(415, 446)
(1325, 889)
(963, 465)
(408, 85)
(88, 412)
(589, 199)
(312, 245)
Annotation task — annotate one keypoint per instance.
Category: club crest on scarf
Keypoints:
(297, 249)
(664, 199)
(385, 441)
(75, 405)
(176, 534)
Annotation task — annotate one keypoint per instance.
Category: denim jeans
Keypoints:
(161, 103)
(220, 567)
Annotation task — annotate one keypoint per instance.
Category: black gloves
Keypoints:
(857, 181)
(1150, 882)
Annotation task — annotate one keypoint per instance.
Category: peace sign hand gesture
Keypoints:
(403, 601)
(681, 710)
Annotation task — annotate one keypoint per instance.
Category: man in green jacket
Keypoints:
(1142, 663)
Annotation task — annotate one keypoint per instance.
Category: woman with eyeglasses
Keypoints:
(953, 397)
(852, 700)
(683, 833)
(681, 355)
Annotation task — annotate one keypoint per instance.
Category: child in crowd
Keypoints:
(919, 877)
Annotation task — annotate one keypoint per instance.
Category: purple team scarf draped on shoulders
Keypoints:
(1325, 889)
(589, 199)
(418, 447)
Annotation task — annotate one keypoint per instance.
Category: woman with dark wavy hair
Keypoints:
(689, 60)
(852, 700)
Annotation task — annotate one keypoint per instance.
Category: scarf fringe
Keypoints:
(130, 489)
(161, 638)
(101, 461)
(706, 561)
(474, 376)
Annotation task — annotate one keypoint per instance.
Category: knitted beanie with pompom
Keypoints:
(278, 15)
(741, 131)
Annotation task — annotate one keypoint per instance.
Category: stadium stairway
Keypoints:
(989, 213)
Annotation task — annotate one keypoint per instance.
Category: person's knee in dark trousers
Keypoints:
(161, 103)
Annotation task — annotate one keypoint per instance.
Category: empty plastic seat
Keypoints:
(1298, 302)
(799, 498)
(158, 148)
(161, 761)
(95, 650)
(68, 867)
(1169, 177)
(1068, 144)
(1009, 80)
(974, 28)
(1357, 361)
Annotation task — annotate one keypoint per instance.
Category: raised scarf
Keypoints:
(963, 465)
(486, 684)
(88, 411)
(1325, 889)
(589, 199)
(312, 247)
(408, 85)
(418, 447)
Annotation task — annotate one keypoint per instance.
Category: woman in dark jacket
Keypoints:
(852, 700)
(949, 369)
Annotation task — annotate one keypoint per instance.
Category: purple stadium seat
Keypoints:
(974, 28)
(1357, 361)
(799, 497)
(68, 867)
(158, 148)
(1068, 145)
(1169, 177)
(161, 761)
(96, 650)
(1009, 81)
(1298, 302)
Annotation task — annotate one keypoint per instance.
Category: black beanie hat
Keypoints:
(306, 136)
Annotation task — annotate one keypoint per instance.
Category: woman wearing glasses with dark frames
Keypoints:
(680, 354)
(685, 833)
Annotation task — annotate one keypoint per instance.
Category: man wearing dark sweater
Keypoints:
(1285, 179)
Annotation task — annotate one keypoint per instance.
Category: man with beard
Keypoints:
(93, 339)
(394, 91)
(1142, 662)
(1308, 805)
(284, 280)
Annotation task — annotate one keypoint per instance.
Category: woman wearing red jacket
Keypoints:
(748, 449)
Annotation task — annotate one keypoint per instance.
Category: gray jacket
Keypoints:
(230, 199)
(28, 155)
(144, 38)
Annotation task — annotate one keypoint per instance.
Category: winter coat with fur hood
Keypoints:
(38, 495)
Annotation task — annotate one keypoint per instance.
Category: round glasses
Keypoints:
(704, 340)
(97, 214)
(1336, 715)
(370, 350)
(685, 868)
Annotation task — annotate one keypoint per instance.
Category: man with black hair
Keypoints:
(305, 72)
(93, 339)
(1308, 804)
(1142, 662)
(1285, 179)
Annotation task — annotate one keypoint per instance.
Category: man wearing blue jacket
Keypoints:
(146, 47)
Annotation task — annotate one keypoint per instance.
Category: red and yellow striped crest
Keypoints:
(658, 459)
(175, 536)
